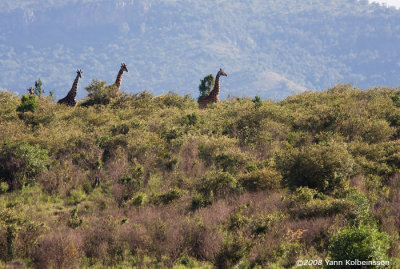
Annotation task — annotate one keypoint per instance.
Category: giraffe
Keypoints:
(119, 76)
(214, 94)
(70, 99)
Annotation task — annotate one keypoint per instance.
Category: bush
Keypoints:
(168, 197)
(20, 163)
(232, 251)
(303, 195)
(28, 103)
(206, 85)
(324, 166)
(18, 234)
(363, 243)
(217, 184)
(264, 179)
(99, 93)
(57, 250)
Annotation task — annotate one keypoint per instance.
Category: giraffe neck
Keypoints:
(74, 88)
(215, 92)
(119, 78)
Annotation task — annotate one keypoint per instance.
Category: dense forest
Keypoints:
(269, 48)
(144, 181)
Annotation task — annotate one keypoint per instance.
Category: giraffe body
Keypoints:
(213, 97)
(119, 76)
(70, 99)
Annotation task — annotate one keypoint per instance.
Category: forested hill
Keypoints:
(267, 47)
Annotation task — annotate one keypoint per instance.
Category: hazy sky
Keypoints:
(395, 3)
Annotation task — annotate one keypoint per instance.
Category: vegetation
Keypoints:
(134, 180)
(206, 85)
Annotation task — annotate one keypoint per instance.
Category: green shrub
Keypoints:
(206, 85)
(28, 103)
(232, 251)
(18, 234)
(21, 162)
(139, 200)
(363, 243)
(120, 129)
(200, 200)
(76, 196)
(231, 160)
(360, 209)
(264, 179)
(217, 184)
(303, 195)
(74, 221)
(323, 208)
(324, 166)
(99, 93)
(169, 197)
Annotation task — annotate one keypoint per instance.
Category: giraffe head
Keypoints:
(79, 72)
(222, 73)
(123, 67)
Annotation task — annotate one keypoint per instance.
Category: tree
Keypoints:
(206, 85)
(363, 243)
(99, 93)
(38, 88)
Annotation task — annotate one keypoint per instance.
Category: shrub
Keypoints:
(325, 166)
(57, 250)
(169, 197)
(264, 179)
(18, 234)
(324, 208)
(20, 163)
(99, 93)
(217, 184)
(206, 85)
(74, 220)
(232, 251)
(28, 103)
(363, 243)
(303, 195)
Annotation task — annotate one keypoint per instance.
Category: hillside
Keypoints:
(270, 48)
(144, 181)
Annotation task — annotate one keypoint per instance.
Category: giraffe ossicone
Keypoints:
(70, 99)
(213, 97)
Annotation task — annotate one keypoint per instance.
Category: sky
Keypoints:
(50, 39)
(395, 3)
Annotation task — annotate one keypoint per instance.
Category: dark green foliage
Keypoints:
(74, 220)
(28, 103)
(232, 251)
(363, 243)
(257, 101)
(99, 93)
(206, 85)
(20, 163)
(18, 234)
(38, 91)
(168, 197)
(120, 129)
(324, 166)
(264, 179)
(217, 184)
(191, 119)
